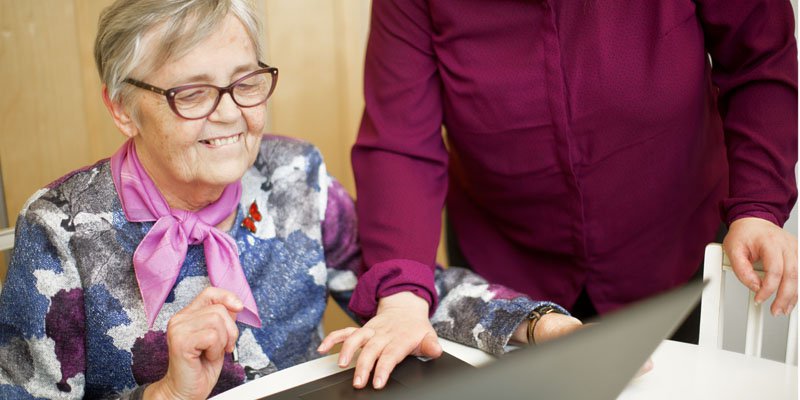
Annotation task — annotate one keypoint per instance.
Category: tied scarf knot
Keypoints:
(158, 258)
(196, 230)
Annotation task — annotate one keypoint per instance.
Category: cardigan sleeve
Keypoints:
(478, 314)
(42, 343)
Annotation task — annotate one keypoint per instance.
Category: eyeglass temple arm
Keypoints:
(146, 86)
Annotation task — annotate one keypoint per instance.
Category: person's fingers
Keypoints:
(366, 360)
(786, 296)
(355, 341)
(215, 295)
(741, 265)
(429, 347)
(210, 343)
(335, 338)
(222, 318)
(216, 316)
(647, 367)
(772, 259)
(388, 359)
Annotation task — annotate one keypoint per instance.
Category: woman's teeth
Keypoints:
(222, 141)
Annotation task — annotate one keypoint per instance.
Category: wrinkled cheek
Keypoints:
(256, 118)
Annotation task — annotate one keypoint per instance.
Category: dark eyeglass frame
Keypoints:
(172, 92)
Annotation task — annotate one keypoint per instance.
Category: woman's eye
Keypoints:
(191, 95)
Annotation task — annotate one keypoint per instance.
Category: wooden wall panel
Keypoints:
(103, 136)
(42, 123)
(319, 48)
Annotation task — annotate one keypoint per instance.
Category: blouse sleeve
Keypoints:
(478, 314)
(340, 243)
(754, 65)
(399, 158)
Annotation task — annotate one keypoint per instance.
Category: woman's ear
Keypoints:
(122, 119)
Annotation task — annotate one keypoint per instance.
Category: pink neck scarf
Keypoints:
(158, 259)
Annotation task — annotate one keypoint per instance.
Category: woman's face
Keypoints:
(194, 159)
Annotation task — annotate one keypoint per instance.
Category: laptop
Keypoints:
(596, 362)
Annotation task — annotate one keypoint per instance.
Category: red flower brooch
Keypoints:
(253, 216)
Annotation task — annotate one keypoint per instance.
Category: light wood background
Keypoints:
(52, 119)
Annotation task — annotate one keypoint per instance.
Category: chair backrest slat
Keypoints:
(6, 243)
(712, 309)
(791, 339)
(6, 239)
(754, 335)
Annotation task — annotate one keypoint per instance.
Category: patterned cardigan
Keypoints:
(72, 322)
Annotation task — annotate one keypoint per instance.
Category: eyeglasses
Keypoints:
(198, 101)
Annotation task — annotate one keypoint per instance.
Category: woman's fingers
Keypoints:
(647, 367)
(335, 338)
(355, 341)
(753, 239)
(198, 337)
(186, 322)
(214, 295)
(389, 355)
(786, 297)
(742, 267)
(772, 259)
(430, 346)
(366, 360)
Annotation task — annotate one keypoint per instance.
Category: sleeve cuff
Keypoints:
(391, 277)
(747, 212)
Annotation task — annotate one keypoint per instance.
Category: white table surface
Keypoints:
(681, 371)
(685, 371)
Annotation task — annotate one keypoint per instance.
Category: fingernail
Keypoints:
(754, 286)
(343, 362)
(378, 382)
(357, 381)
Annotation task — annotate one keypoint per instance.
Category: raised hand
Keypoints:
(198, 337)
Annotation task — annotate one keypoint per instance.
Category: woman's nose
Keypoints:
(226, 110)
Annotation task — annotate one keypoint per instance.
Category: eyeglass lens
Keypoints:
(199, 101)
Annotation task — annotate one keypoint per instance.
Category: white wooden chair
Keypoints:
(711, 312)
(6, 243)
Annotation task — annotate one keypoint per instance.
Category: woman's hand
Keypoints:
(753, 239)
(399, 328)
(549, 327)
(198, 338)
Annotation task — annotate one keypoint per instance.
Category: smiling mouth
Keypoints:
(222, 140)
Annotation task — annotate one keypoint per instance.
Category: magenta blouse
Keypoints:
(592, 143)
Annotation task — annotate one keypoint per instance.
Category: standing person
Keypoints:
(138, 276)
(592, 148)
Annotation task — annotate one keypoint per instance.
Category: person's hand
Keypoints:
(198, 337)
(753, 239)
(554, 325)
(399, 328)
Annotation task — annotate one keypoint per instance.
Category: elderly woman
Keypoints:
(138, 276)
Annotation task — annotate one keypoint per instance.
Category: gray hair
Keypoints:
(178, 25)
